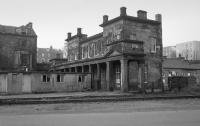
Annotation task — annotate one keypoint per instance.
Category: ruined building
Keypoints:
(126, 56)
(18, 48)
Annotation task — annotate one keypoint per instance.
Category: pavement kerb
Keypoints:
(55, 100)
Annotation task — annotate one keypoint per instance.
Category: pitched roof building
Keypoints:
(180, 67)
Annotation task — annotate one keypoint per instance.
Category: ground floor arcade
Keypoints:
(115, 73)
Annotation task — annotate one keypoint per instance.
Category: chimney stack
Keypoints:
(29, 25)
(158, 17)
(105, 18)
(79, 31)
(123, 11)
(69, 35)
(142, 14)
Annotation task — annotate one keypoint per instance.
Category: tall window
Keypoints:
(91, 50)
(153, 45)
(24, 59)
(97, 48)
(76, 56)
(84, 52)
(60, 78)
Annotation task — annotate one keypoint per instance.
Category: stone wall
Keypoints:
(180, 72)
(11, 49)
(41, 82)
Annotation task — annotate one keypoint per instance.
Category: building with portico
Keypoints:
(126, 55)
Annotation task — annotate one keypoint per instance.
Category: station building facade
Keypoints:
(126, 56)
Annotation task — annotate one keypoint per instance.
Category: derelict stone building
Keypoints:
(18, 48)
(126, 56)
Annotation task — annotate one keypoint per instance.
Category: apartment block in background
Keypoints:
(189, 50)
(169, 52)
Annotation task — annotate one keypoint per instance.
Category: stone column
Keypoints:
(90, 69)
(92, 76)
(98, 75)
(76, 69)
(108, 75)
(82, 69)
(124, 75)
(31, 64)
(142, 76)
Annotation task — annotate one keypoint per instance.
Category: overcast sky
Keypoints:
(52, 19)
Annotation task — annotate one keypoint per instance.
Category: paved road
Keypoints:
(178, 112)
(151, 118)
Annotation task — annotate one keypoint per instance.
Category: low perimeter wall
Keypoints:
(41, 82)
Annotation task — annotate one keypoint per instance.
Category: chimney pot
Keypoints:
(79, 31)
(123, 11)
(69, 35)
(158, 17)
(30, 25)
(105, 18)
(142, 14)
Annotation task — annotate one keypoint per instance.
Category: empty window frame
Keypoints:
(153, 45)
(45, 78)
(84, 52)
(60, 78)
(81, 78)
(134, 46)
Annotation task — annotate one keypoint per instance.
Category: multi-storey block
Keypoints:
(126, 56)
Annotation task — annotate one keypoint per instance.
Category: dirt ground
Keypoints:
(103, 107)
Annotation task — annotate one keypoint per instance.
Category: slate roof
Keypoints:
(177, 63)
(14, 30)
